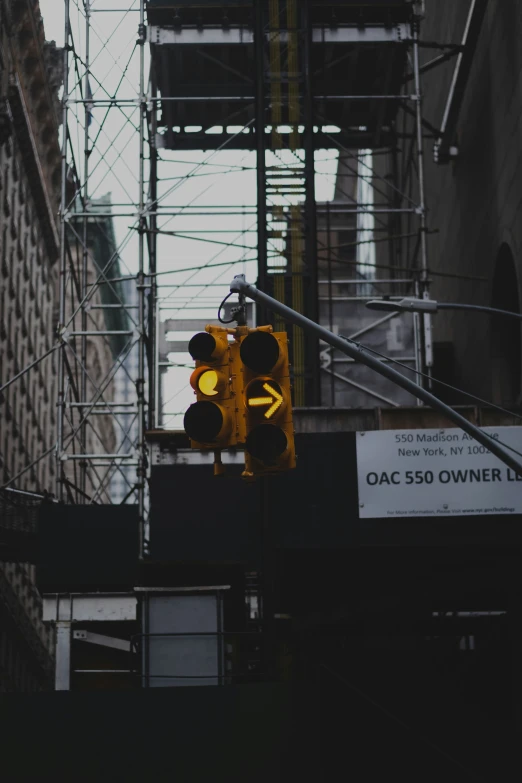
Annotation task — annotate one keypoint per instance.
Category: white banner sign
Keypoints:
(433, 473)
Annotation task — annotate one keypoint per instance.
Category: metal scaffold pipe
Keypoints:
(63, 261)
(359, 354)
(140, 386)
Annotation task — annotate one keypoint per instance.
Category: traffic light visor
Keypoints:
(202, 346)
(260, 351)
(266, 442)
(203, 421)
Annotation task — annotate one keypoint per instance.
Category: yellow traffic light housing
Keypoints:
(269, 441)
(213, 421)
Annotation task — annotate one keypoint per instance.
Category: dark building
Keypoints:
(474, 200)
(30, 75)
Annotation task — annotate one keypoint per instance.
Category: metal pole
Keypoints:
(330, 295)
(418, 305)
(259, 39)
(417, 340)
(140, 384)
(154, 375)
(60, 486)
(313, 396)
(478, 308)
(62, 679)
(85, 239)
(360, 354)
(426, 319)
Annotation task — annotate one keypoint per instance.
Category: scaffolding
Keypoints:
(105, 294)
(306, 83)
(278, 138)
(235, 91)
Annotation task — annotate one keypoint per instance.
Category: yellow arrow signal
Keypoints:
(256, 402)
(278, 400)
(274, 402)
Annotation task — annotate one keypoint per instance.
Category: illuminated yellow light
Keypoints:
(278, 400)
(207, 383)
(274, 402)
(257, 401)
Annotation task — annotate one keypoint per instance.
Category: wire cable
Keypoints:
(449, 386)
(442, 383)
(221, 321)
(29, 366)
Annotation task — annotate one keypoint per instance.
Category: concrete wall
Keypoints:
(475, 203)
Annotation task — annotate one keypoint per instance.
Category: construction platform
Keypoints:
(210, 72)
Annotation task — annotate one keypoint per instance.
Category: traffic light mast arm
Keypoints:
(361, 355)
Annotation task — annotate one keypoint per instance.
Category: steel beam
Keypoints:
(102, 640)
(443, 151)
(218, 35)
(88, 607)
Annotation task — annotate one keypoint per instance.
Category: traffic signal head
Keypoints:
(269, 443)
(209, 347)
(263, 352)
(212, 421)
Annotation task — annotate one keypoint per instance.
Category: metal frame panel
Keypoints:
(89, 607)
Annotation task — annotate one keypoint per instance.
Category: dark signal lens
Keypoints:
(203, 421)
(266, 443)
(202, 346)
(260, 351)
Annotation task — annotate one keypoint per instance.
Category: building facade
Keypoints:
(475, 200)
(30, 191)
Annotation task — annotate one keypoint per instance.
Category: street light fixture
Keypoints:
(360, 354)
(432, 306)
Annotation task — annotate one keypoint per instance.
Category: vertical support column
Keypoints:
(425, 318)
(140, 384)
(145, 640)
(154, 374)
(394, 219)
(60, 486)
(62, 680)
(313, 392)
(278, 99)
(85, 247)
(330, 299)
(259, 39)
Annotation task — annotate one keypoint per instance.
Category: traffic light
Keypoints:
(214, 421)
(269, 442)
